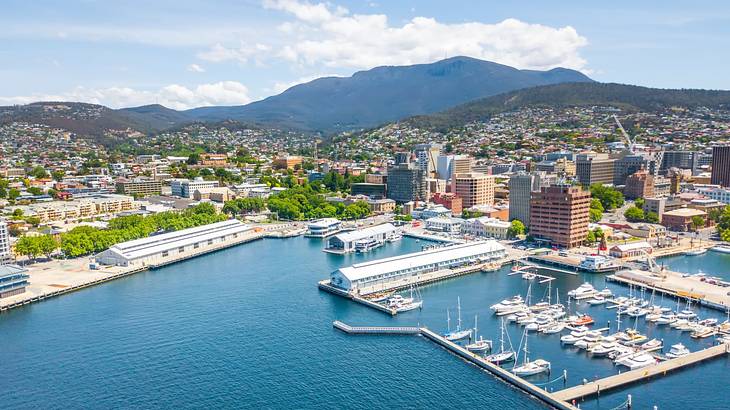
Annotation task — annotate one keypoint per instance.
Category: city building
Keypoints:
(639, 185)
(521, 186)
(381, 206)
(213, 160)
(486, 227)
(82, 207)
(362, 240)
(13, 280)
(6, 255)
(160, 249)
(443, 166)
(717, 193)
(435, 185)
(407, 267)
(368, 189)
(629, 250)
(406, 182)
(680, 159)
(560, 166)
(474, 189)
(560, 215)
(500, 211)
(444, 224)
(185, 188)
(323, 228)
(593, 168)
(287, 162)
(376, 179)
(721, 166)
(460, 164)
(219, 194)
(681, 219)
(449, 200)
(427, 158)
(628, 165)
(139, 187)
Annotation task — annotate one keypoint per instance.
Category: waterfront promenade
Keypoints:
(60, 276)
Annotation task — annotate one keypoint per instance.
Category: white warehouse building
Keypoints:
(168, 247)
(368, 274)
(363, 240)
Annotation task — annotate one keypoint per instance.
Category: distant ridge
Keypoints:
(629, 97)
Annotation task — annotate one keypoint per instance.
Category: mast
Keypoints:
(501, 334)
(475, 327)
(458, 307)
(448, 320)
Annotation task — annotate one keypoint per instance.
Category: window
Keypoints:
(196, 246)
(165, 253)
(181, 249)
(210, 242)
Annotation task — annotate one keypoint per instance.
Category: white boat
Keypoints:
(721, 248)
(695, 252)
(529, 368)
(532, 327)
(503, 355)
(553, 328)
(678, 350)
(686, 314)
(652, 344)
(606, 293)
(603, 348)
(597, 300)
(406, 307)
(507, 303)
(679, 323)
(458, 333)
(637, 360)
(572, 338)
(583, 291)
(666, 319)
(528, 276)
(479, 345)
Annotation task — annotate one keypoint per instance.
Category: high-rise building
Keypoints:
(679, 159)
(443, 166)
(639, 185)
(185, 188)
(6, 255)
(427, 158)
(461, 164)
(628, 165)
(559, 215)
(593, 168)
(521, 187)
(721, 165)
(406, 182)
(474, 189)
(139, 186)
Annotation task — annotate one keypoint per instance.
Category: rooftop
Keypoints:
(686, 212)
(365, 233)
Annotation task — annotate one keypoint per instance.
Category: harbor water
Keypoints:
(247, 328)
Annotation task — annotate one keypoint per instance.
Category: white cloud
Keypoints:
(172, 96)
(332, 37)
(242, 53)
(196, 68)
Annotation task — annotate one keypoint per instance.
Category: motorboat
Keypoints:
(708, 322)
(539, 307)
(597, 300)
(507, 303)
(721, 248)
(511, 310)
(606, 293)
(695, 252)
(572, 337)
(631, 337)
(666, 318)
(589, 340)
(703, 332)
(679, 323)
(621, 351)
(381, 297)
(406, 307)
(678, 350)
(525, 320)
(652, 344)
(603, 348)
(532, 327)
(582, 320)
(686, 314)
(529, 276)
(637, 361)
(553, 328)
(583, 291)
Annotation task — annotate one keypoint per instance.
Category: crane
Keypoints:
(630, 143)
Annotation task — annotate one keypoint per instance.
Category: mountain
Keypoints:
(385, 94)
(629, 97)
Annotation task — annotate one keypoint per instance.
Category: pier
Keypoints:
(633, 376)
(376, 330)
(325, 286)
(569, 264)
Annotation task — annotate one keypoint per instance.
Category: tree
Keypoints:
(13, 194)
(610, 197)
(697, 222)
(639, 203)
(38, 172)
(591, 237)
(58, 174)
(34, 190)
(651, 217)
(47, 245)
(634, 214)
(28, 246)
(595, 215)
(193, 159)
(516, 228)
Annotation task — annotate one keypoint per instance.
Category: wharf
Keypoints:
(376, 330)
(633, 376)
(544, 396)
(59, 277)
(429, 237)
(572, 264)
(325, 286)
(676, 285)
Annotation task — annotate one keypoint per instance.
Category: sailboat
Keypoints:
(503, 355)
(410, 303)
(457, 334)
(479, 345)
(528, 368)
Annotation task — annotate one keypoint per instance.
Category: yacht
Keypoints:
(678, 350)
(597, 300)
(458, 333)
(590, 339)
(553, 328)
(583, 291)
(606, 293)
(695, 252)
(479, 345)
(686, 314)
(721, 248)
(503, 355)
(572, 338)
(666, 318)
(507, 303)
(637, 361)
(652, 344)
(407, 307)
(529, 368)
(603, 348)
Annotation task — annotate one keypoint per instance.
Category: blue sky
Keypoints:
(188, 53)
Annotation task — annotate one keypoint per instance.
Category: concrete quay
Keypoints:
(62, 276)
(634, 376)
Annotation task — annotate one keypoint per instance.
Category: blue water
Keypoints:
(247, 328)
